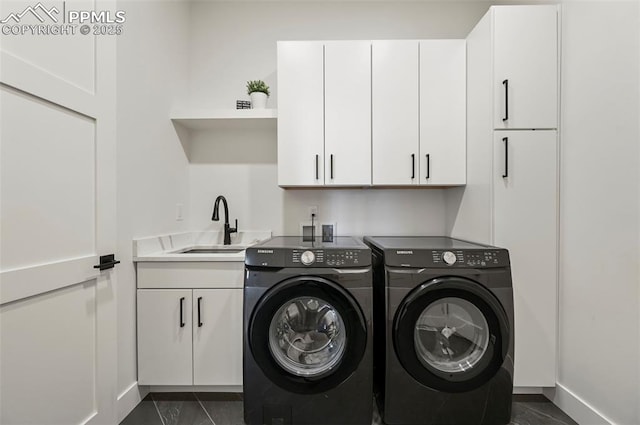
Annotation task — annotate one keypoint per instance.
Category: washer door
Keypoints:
(307, 334)
(451, 334)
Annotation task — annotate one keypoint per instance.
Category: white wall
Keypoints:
(232, 42)
(152, 166)
(599, 342)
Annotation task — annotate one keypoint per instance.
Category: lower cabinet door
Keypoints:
(217, 336)
(164, 337)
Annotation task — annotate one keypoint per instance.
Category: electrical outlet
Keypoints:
(179, 216)
(328, 232)
(311, 210)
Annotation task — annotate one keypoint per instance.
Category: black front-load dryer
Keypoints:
(443, 331)
(308, 350)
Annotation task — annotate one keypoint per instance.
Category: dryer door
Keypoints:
(307, 334)
(451, 334)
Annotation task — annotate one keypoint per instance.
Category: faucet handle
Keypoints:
(234, 229)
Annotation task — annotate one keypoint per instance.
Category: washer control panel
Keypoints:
(327, 258)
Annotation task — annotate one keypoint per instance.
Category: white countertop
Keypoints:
(169, 247)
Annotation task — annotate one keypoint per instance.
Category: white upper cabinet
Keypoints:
(361, 113)
(347, 100)
(442, 112)
(300, 113)
(525, 76)
(395, 112)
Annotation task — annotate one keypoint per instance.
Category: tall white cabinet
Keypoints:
(511, 197)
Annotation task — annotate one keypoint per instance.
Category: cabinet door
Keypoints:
(347, 113)
(526, 211)
(217, 336)
(442, 112)
(164, 337)
(300, 113)
(525, 40)
(395, 112)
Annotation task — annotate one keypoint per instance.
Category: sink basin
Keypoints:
(212, 250)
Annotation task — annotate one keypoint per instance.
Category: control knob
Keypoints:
(449, 257)
(307, 258)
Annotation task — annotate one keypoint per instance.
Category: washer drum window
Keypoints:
(307, 336)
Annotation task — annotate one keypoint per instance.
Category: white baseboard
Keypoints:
(195, 388)
(527, 390)
(130, 398)
(579, 410)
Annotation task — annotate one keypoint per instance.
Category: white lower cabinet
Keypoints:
(217, 336)
(164, 337)
(525, 221)
(180, 343)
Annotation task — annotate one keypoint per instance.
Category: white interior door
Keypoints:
(57, 154)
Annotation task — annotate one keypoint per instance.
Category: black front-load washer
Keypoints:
(443, 331)
(308, 350)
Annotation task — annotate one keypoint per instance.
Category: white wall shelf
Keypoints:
(202, 119)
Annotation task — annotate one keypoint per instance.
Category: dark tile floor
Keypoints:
(226, 409)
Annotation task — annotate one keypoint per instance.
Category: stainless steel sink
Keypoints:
(216, 250)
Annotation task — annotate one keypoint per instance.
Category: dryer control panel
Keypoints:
(465, 258)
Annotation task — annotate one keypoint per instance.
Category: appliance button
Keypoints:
(307, 258)
(448, 257)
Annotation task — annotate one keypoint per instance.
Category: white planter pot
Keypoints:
(258, 100)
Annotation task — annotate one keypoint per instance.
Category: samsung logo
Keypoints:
(265, 251)
(404, 252)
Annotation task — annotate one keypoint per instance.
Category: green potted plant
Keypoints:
(259, 93)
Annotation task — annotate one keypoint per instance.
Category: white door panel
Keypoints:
(48, 209)
(217, 343)
(526, 224)
(526, 56)
(164, 337)
(49, 357)
(395, 112)
(68, 57)
(300, 113)
(347, 148)
(442, 112)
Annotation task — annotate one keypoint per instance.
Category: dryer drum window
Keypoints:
(307, 334)
(451, 334)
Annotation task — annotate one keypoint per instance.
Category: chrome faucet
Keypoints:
(227, 230)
